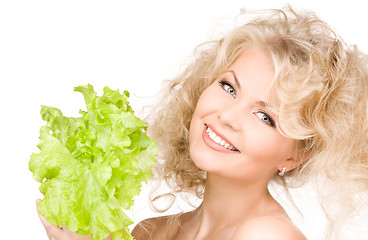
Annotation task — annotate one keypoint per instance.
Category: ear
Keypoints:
(292, 162)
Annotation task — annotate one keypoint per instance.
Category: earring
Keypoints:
(282, 172)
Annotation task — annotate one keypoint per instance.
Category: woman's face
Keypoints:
(233, 132)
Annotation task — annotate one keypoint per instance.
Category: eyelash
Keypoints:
(270, 120)
(226, 86)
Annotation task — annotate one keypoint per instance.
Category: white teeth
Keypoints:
(212, 135)
(218, 139)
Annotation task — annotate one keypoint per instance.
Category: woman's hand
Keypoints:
(54, 232)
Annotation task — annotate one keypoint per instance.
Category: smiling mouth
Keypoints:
(217, 139)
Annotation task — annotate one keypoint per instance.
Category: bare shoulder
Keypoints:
(268, 227)
(153, 228)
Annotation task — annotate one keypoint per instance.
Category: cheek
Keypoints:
(194, 127)
(207, 101)
(267, 146)
(206, 105)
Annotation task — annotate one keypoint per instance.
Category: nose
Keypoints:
(231, 115)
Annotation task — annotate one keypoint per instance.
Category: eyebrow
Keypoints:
(236, 79)
(262, 104)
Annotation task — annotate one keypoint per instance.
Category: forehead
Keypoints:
(254, 71)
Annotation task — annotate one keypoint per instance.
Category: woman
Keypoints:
(280, 98)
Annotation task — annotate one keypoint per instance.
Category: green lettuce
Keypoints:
(90, 167)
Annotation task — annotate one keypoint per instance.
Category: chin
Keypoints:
(204, 161)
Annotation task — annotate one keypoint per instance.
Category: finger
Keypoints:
(72, 235)
(51, 230)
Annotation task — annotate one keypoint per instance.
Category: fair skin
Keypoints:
(236, 204)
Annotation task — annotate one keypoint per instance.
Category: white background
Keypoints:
(48, 47)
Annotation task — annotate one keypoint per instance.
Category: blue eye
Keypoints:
(264, 117)
(228, 88)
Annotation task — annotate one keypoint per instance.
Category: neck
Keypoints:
(228, 203)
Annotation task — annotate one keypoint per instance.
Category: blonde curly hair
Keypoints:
(319, 93)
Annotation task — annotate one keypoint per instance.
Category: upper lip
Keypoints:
(221, 135)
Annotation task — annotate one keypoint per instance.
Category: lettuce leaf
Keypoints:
(91, 167)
